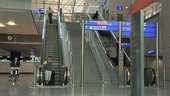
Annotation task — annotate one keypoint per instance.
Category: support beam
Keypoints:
(137, 54)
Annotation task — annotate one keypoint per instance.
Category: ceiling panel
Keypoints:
(23, 19)
(25, 27)
(66, 5)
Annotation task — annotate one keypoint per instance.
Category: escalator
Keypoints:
(108, 38)
(101, 42)
(51, 47)
(91, 73)
(149, 73)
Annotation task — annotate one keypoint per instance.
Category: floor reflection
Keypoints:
(21, 88)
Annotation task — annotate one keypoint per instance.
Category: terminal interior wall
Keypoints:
(165, 27)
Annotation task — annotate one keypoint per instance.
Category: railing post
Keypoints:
(43, 38)
(35, 75)
(164, 71)
(82, 66)
(157, 54)
(120, 58)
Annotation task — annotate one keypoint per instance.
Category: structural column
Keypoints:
(137, 54)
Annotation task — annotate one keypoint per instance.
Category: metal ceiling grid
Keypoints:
(66, 5)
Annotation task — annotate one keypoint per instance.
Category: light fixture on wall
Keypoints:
(12, 23)
(2, 25)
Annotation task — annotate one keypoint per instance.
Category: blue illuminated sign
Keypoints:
(107, 28)
(119, 7)
(102, 25)
(103, 3)
(110, 23)
(146, 29)
(150, 24)
(126, 33)
(41, 11)
(152, 52)
(126, 28)
(149, 28)
(126, 24)
(125, 44)
(146, 34)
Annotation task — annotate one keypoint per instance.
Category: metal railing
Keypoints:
(68, 57)
(161, 80)
(43, 38)
(76, 17)
(38, 69)
(117, 41)
(38, 75)
(106, 69)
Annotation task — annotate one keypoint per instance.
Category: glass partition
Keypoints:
(43, 37)
(106, 68)
(67, 52)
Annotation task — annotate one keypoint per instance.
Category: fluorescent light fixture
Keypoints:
(2, 25)
(12, 23)
(126, 7)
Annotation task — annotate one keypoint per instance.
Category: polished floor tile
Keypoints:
(24, 87)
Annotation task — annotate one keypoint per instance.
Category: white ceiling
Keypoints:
(66, 5)
(25, 22)
(23, 19)
(25, 25)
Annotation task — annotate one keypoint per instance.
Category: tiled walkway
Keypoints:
(24, 87)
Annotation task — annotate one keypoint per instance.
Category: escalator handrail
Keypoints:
(117, 41)
(39, 74)
(39, 68)
(153, 81)
(43, 37)
(154, 77)
(71, 51)
(99, 38)
(66, 75)
(102, 44)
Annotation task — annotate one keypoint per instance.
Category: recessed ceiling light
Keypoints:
(126, 7)
(12, 23)
(2, 25)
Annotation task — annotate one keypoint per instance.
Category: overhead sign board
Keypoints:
(125, 44)
(151, 52)
(41, 11)
(103, 3)
(107, 28)
(119, 7)
(128, 24)
(149, 27)
(102, 25)
(109, 23)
